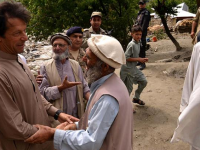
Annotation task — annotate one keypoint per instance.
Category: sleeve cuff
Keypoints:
(52, 110)
(56, 92)
(182, 108)
(33, 131)
(58, 136)
(76, 123)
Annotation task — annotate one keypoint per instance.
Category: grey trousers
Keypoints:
(141, 85)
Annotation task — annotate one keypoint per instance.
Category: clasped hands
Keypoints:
(46, 133)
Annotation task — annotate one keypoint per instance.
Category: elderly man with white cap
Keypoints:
(108, 120)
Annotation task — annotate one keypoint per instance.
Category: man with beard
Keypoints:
(95, 21)
(58, 73)
(103, 126)
(21, 105)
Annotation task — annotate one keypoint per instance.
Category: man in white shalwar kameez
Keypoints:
(188, 129)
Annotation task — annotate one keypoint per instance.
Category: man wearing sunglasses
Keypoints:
(143, 19)
(60, 75)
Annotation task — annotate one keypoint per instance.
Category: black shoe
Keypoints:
(138, 101)
(138, 63)
(142, 66)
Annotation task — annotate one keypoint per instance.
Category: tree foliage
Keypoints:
(50, 16)
(163, 8)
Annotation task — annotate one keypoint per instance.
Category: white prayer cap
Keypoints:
(108, 49)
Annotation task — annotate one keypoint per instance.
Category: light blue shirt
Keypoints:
(100, 120)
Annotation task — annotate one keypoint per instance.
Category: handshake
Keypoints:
(46, 133)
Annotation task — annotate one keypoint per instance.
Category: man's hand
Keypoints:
(66, 126)
(43, 134)
(87, 95)
(67, 118)
(39, 79)
(70, 127)
(143, 60)
(67, 84)
(62, 125)
(192, 35)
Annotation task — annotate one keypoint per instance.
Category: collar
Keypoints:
(141, 10)
(8, 56)
(136, 41)
(92, 31)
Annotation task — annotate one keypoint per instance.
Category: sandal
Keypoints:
(139, 101)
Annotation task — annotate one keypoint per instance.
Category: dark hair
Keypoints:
(12, 10)
(136, 28)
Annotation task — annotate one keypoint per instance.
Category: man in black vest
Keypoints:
(143, 19)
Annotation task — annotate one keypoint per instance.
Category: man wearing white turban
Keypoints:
(103, 126)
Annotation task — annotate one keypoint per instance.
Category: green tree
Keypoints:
(163, 8)
(50, 16)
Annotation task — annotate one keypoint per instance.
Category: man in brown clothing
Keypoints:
(95, 21)
(107, 122)
(21, 105)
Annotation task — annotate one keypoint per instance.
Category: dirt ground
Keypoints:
(155, 122)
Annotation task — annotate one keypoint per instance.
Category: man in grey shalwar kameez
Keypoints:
(129, 73)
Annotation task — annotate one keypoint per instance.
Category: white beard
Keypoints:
(94, 73)
(61, 56)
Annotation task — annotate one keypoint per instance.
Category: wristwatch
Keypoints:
(57, 114)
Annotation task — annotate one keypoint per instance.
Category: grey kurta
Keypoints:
(21, 105)
(69, 95)
(129, 73)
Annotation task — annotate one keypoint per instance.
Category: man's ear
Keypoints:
(105, 67)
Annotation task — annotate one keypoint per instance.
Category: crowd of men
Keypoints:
(30, 112)
(77, 101)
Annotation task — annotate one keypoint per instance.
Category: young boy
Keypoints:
(129, 73)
